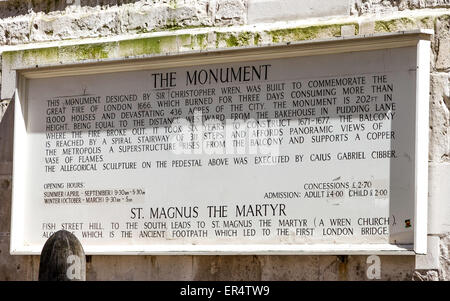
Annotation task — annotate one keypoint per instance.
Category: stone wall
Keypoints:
(185, 25)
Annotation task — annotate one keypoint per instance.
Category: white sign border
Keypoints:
(418, 38)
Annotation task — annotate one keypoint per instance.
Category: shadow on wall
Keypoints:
(12, 8)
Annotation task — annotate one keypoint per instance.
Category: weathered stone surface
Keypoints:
(426, 276)
(439, 118)
(272, 11)
(11, 267)
(62, 258)
(47, 28)
(248, 268)
(39, 22)
(403, 24)
(445, 257)
(361, 7)
(15, 31)
(442, 43)
(348, 30)
(227, 12)
(3, 106)
(16, 268)
(6, 153)
(430, 261)
(265, 268)
(438, 199)
(220, 268)
(297, 268)
(28, 21)
(415, 4)
(367, 27)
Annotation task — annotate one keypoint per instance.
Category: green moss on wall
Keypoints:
(307, 33)
(197, 41)
(153, 45)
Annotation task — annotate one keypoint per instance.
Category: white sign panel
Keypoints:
(286, 155)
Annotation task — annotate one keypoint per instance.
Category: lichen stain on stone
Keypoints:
(173, 4)
(342, 262)
(90, 51)
(245, 38)
(140, 46)
(177, 43)
(40, 55)
(307, 33)
(171, 25)
(5, 184)
(257, 39)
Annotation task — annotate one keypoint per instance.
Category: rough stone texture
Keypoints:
(3, 107)
(426, 276)
(11, 267)
(56, 263)
(43, 20)
(361, 7)
(439, 117)
(272, 11)
(228, 12)
(445, 257)
(442, 42)
(29, 21)
(430, 261)
(332, 268)
(250, 268)
(367, 27)
(37, 21)
(438, 198)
